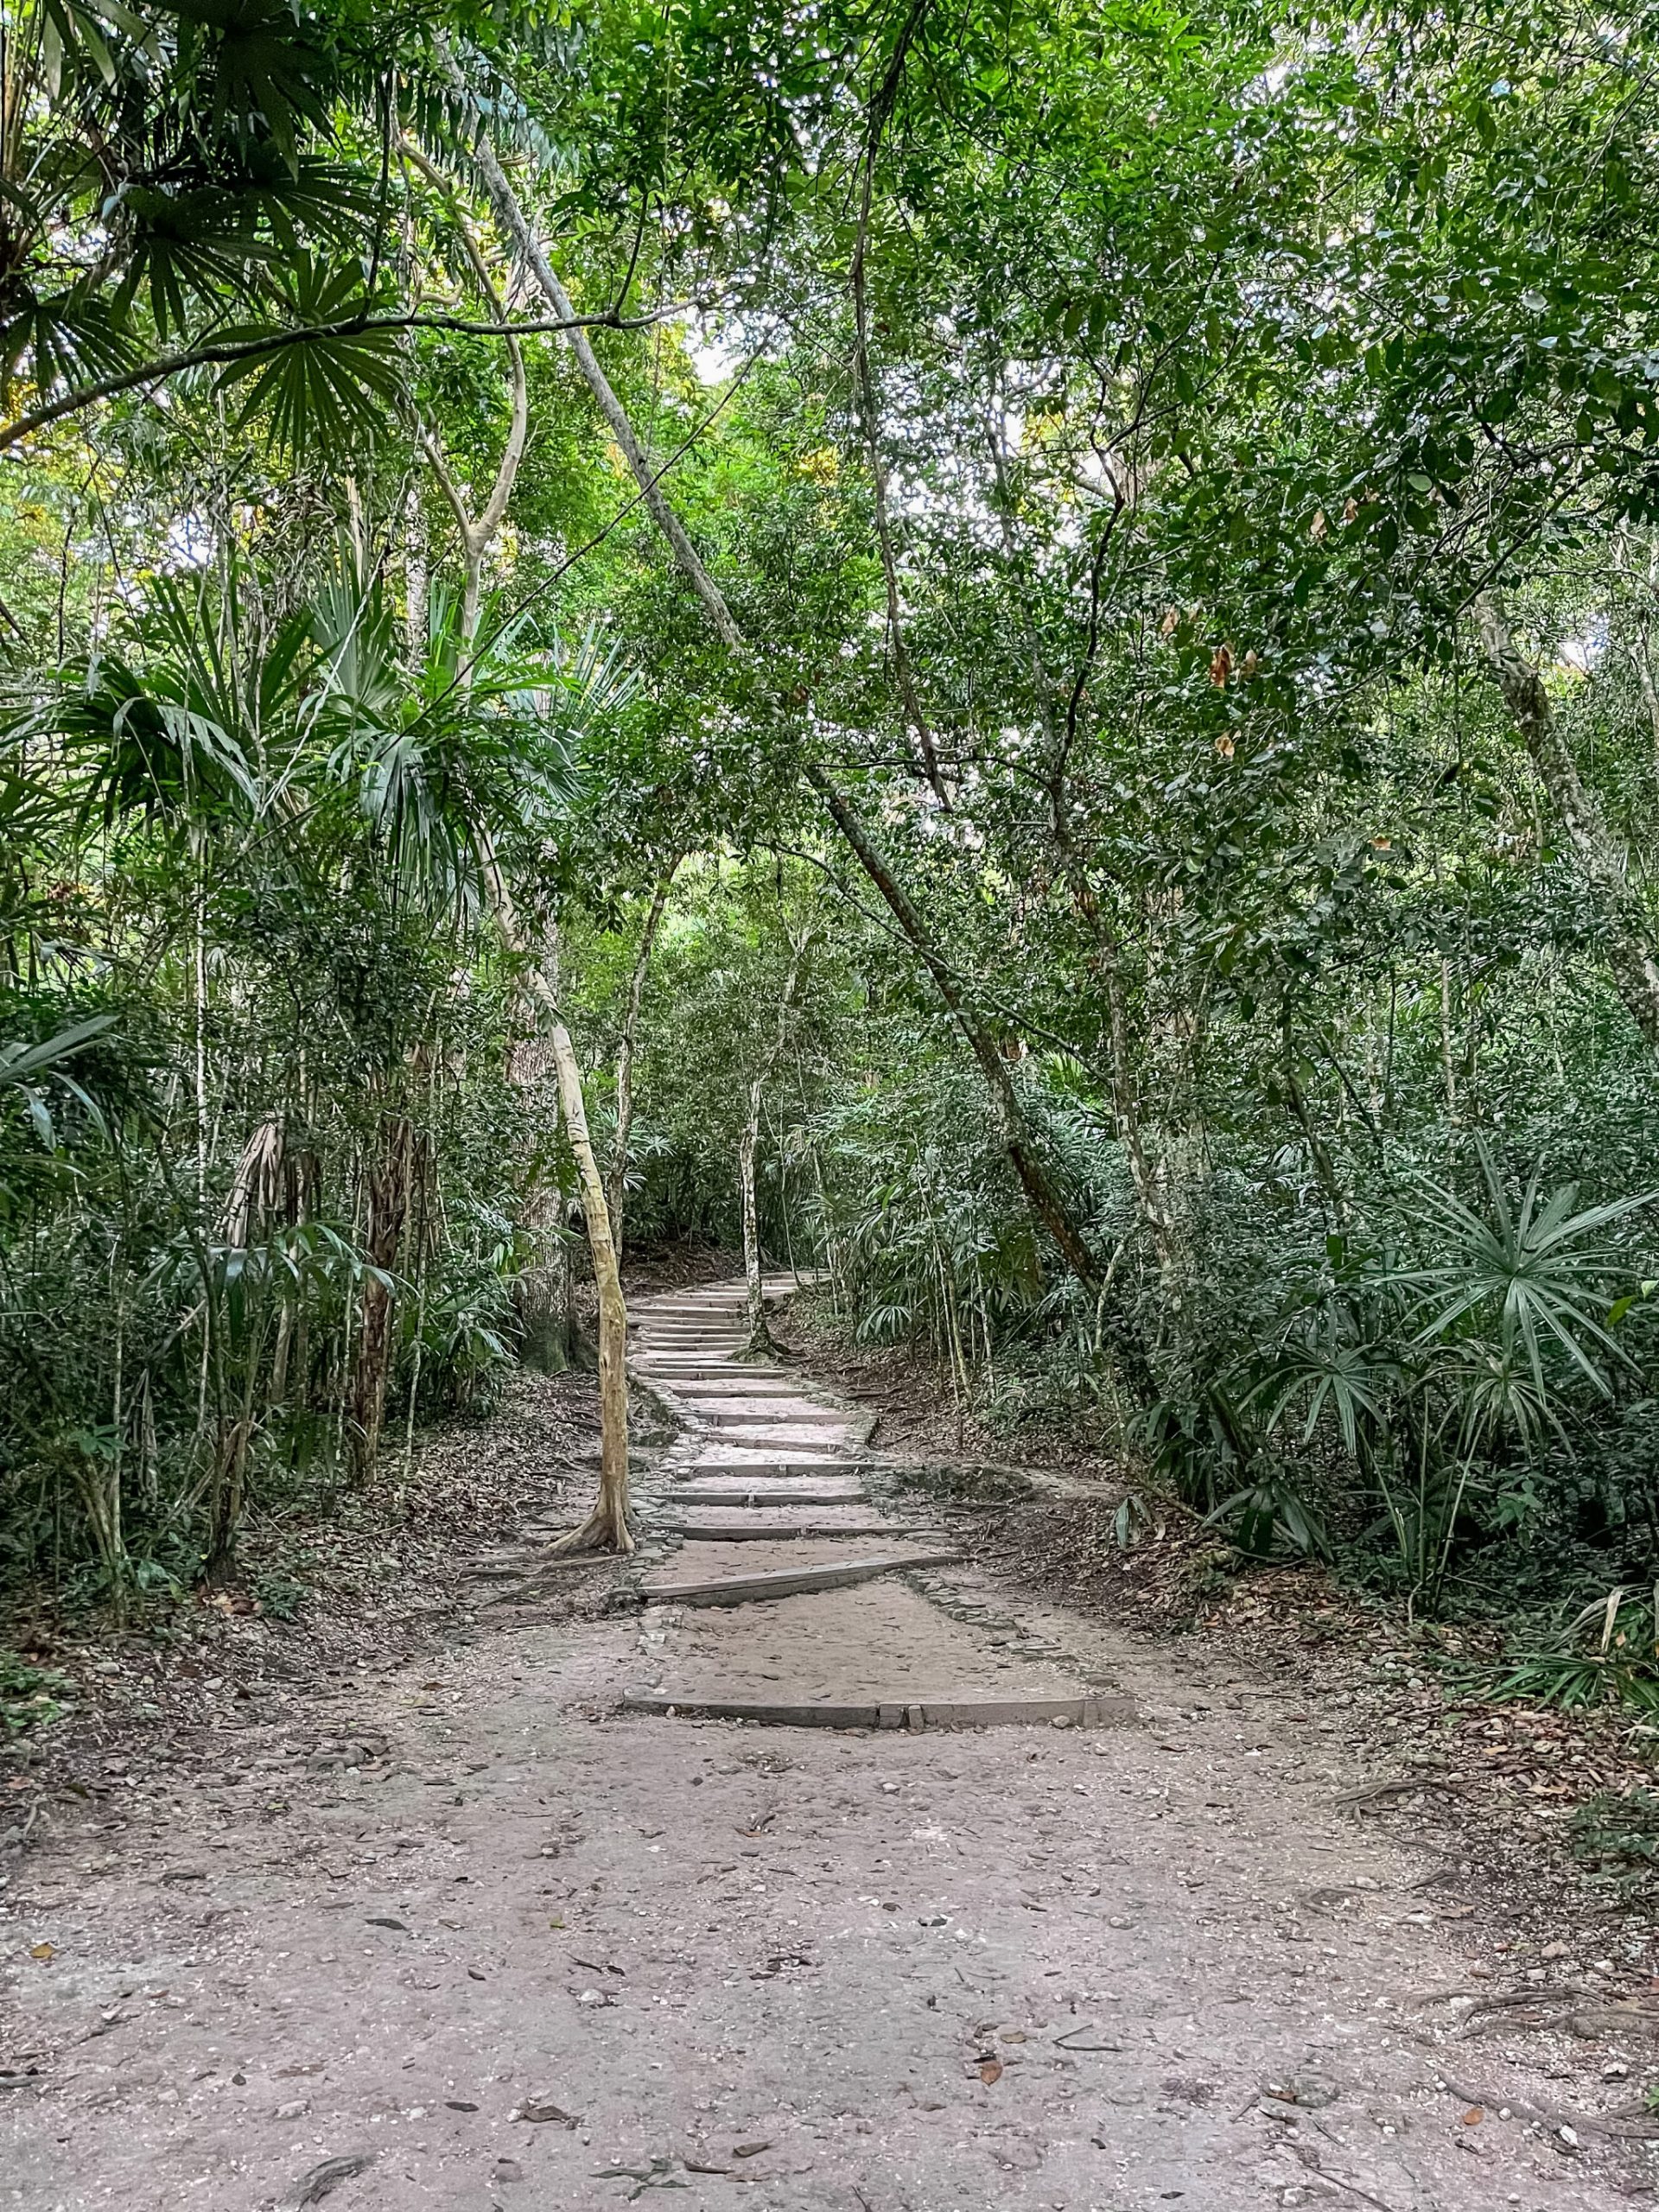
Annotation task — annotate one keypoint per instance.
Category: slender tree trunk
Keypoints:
(1642, 656)
(759, 1344)
(759, 1335)
(606, 1526)
(1151, 1196)
(1041, 1193)
(388, 1197)
(478, 532)
(1601, 853)
(617, 1180)
(869, 405)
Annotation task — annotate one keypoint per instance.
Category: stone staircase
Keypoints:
(778, 1590)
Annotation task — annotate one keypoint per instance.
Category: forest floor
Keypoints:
(396, 1905)
(1501, 1783)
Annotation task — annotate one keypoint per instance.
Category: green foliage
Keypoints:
(1616, 1833)
(1608, 1654)
(31, 1696)
(1248, 1058)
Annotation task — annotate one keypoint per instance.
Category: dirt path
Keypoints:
(510, 1944)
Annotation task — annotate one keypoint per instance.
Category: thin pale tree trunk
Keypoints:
(759, 1335)
(759, 1344)
(387, 1204)
(616, 1182)
(1042, 1195)
(607, 1525)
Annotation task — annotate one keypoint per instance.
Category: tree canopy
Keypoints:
(1019, 637)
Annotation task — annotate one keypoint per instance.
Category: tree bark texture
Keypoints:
(607, 1525)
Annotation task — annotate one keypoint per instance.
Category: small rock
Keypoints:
(507, 2169)
(296, 2108)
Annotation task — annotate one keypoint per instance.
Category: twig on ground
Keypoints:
(1310, 2159)
(1377, 1793)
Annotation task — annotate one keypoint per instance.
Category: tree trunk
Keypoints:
(230, 1495)
(1601, 853)
(388, 1205)
(759, 1344)
(617, 1180)
(608, 1522)
(759, 1335)
(1041, 1194)
(606, 1526)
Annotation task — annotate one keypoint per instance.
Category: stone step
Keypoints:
(707, 1301)
(689, 1348)
(706, 1381)
(676, 1367)
(744, 1532)
(807, 1493)
(788, 1582)
(721, 1311)
(711, 1317)
(744, 1412)
(758, 1464)
(784, 1436)
(1089, 1709)
(748, 1402)
(672, 1336)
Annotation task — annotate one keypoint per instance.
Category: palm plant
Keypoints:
(1522, 1281)
(1434, 1373)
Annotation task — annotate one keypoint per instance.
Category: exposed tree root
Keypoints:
(604, 1529)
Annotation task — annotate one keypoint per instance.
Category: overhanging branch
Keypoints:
(277, 341)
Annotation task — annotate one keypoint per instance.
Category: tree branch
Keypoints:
(277, 341)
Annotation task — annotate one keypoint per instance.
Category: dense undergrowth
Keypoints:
(1075, 747)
